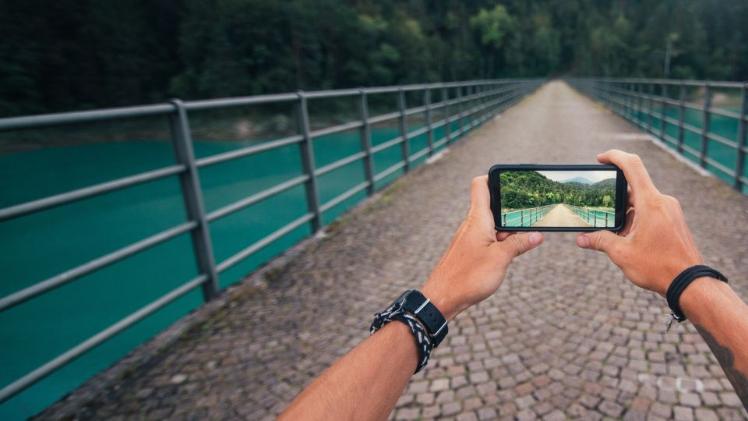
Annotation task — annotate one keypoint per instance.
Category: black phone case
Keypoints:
(494, 188)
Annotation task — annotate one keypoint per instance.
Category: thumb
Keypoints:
(598, 240)
(519, 243)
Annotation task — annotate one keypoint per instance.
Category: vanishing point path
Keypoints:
(566, 336)
(561, 216)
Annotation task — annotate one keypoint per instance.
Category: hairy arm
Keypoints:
(366, 383)
(655, 222)
(721, 318)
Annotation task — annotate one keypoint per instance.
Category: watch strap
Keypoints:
(424, 344)
(417, 304)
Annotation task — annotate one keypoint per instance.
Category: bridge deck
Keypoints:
(565, 334)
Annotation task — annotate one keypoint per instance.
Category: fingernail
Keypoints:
(535, 238)
(583, 241)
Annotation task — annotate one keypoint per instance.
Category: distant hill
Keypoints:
(608, 182)
(578, 180)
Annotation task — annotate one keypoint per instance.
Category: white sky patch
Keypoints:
(593, 176)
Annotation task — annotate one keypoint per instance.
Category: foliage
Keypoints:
(72, 54)
(525, 189)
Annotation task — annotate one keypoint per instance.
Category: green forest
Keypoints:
(74, 54)
(525, 189)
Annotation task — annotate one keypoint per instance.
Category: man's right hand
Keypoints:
(655, 244)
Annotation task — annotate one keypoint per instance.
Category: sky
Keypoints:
(593, 176)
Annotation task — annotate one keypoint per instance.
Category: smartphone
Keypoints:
(534, 197)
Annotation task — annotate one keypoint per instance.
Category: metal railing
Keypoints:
(592, 216)
(683, 115)
(459, 101)
(524, 217)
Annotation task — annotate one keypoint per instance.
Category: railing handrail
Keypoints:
(628, 98)
(487, 98)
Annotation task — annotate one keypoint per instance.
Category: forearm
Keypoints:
(721, 318)
(365, 384)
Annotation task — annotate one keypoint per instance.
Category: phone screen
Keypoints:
(572, 199)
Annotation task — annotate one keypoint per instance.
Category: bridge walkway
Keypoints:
(565, 335)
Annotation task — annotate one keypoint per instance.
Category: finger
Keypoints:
(480, 197)
(633, 169)
(628, 223)
(480, 203)
(516, 244)
(503, 235)
(599, 240)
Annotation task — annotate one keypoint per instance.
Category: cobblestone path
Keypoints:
(564, 337)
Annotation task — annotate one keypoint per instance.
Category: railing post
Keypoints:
(307, 160)
(405, 145)
(650, 107)
(705, 125)
(447, 115)
(663, 107)
(429, 130)
(681, 116)
(741, 140)
(629, 100)
(460, 107)
(639, 104)
(366, 143)
(192, 195)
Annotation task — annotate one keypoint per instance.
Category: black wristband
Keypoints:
(682, 281)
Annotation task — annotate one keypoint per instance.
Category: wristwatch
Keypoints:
(425, 321)
(415, 303)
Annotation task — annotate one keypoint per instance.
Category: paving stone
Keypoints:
(565, 333)
(683, 413)
(610, 408)
(730, 399)
(486, 414)
(439, 385)
(706, 414)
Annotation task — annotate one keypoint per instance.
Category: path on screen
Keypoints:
(561, 216)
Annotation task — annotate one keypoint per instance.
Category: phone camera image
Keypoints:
(558, 199)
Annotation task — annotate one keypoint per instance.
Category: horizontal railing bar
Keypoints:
(44, 370)
(418, 154)
(85, 192)
(256, 198)
(417, 110)
(339, 163)
(722, 140)
(724, 113)
(384, 117)
(674, 103)
(258, 245)
(343, 196)
(691, 128)
(418, 132)
(687, 82)
(336, 129)
(691, 150)
(248, 150)
(440, 142)
(239, 101)
(717, 165)
(75, 117)
(333, 93)
(388, 144)
(27, 293)
(391, 169)
(670, 139)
